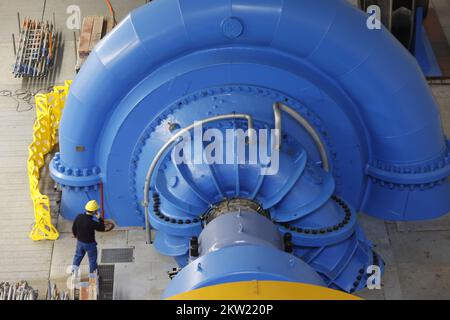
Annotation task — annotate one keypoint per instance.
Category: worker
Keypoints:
(83, 229)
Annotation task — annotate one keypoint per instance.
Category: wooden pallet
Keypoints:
(94, 28)
(438, 41)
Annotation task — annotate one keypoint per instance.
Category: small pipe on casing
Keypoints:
(166, 146)
(277, 108)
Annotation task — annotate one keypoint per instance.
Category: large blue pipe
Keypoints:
(235, 247)
(173, 62)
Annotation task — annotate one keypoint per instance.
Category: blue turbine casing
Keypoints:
(243, 263)
(235, 247)
(178, 61)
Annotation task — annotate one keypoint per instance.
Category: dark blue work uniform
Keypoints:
(83, 229)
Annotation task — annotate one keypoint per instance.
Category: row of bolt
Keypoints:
(86, 172)
(402, 186)
(79, 189)
(348, 214)
(410, 169)
(156, 210)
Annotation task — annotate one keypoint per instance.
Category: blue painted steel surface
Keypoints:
(239, 228)
(242, 263)
(173, 62)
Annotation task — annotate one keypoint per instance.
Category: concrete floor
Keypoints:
(417, 255)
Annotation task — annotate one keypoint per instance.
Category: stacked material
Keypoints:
(18, 291)
(94, 28)
(53, 293)
(36, 49)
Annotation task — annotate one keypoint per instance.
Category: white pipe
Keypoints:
(166, 146)
(277, 108)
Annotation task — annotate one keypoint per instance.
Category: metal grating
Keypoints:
(106, 282)
(118, 255)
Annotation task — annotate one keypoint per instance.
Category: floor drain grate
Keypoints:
(106, 282)
(119, 255)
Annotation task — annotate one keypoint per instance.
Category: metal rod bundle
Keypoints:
(18, 291)
(53, 293)
(35, 50)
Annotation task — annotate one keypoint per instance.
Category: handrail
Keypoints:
(277, 108)
(166, 146)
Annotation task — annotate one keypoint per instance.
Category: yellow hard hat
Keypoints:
(92, 206)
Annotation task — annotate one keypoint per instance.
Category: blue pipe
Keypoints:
(234, 247)
(172, 62)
